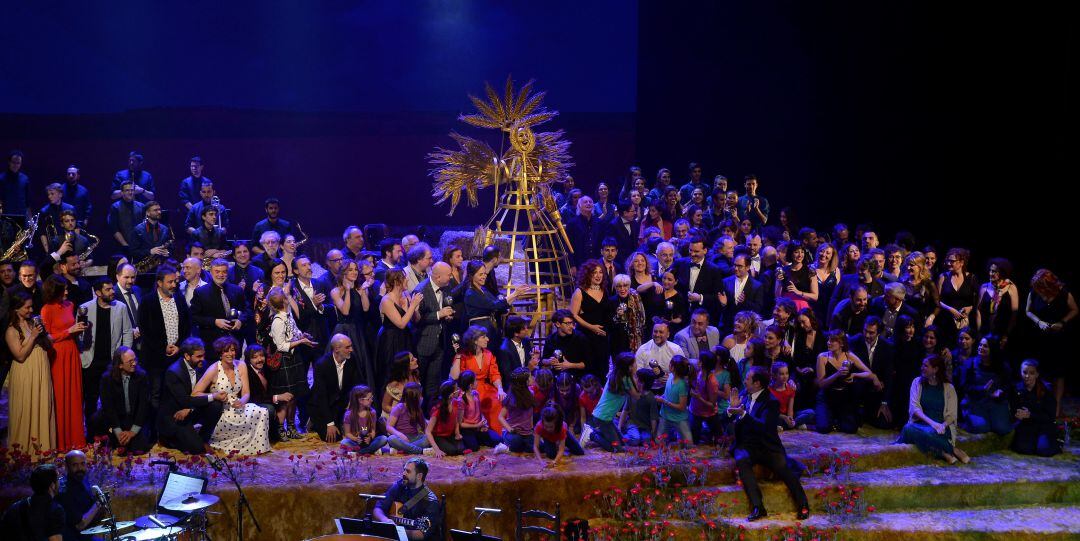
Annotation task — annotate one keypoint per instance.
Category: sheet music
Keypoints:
(179, 486)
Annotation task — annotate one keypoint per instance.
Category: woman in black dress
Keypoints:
(1051, 307)
(352, 300)
(481, 306)
(397, 308)
(956, 298)
(794, 281)
(592, 311)
(999, 300)
(668, 305)
(922, 294)
(809, 343)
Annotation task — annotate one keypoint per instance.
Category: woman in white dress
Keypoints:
(243, 427)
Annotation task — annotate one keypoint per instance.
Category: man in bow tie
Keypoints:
(699, 280)
(432, 330)
(756, 415)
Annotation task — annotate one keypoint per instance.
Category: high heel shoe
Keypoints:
(293, 434)
(283, 435)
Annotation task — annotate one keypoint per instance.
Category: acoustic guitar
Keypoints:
(423, 524)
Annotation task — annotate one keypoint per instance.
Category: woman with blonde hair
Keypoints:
(922, 294)
(744, 328)
(826, 269)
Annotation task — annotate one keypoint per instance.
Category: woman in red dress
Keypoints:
(475, 356)
(58, 317)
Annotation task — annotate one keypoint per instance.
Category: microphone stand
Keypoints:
(106, 502)
(368, 518)
(241, 503)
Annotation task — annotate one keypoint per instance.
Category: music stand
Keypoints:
(366, 526)
(475, 535)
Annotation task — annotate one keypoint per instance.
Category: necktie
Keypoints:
(129, 300)
(127, 401)
(695, 265)
(225, 301)
(191, 375)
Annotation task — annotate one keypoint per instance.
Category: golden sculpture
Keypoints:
(526, 214)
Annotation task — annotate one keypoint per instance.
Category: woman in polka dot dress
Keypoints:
(243, 427)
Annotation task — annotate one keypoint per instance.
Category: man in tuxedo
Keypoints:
(877, 353)
(433, 329)
(313, 297)
(335, 375)
(665, 259)
(890, 306)
(213, 306)
(740, 292)
(125, 404)
(698, 336)
(164, 323)
(756, 414)
(516, 348)
(610, 263)
(180, 411)
(389, 257)
(624, 228)
(699, 280)
(109, 328)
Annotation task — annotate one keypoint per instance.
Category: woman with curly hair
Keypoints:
(1052, 307)
(475, 356)
(998, 302)
(957, 289)
(593, 310)
(922, 294)
(744, 328)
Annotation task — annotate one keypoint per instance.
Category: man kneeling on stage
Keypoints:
(756, 414)
(411, 499)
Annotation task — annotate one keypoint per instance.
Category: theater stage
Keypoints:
(998, 495)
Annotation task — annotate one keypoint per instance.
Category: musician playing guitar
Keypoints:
(411, 504)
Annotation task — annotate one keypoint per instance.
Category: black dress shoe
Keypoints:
(757, 514)
(802, 515)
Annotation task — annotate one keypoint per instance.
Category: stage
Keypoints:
(297, 490)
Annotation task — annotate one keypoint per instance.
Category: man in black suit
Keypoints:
(863, 276)
(611, 263)
(390, 254)
(125, 404)
(699, 280)
(180, 412)
(433, 329)
(740, 292)
(164, 323)
(129, 294)
(516, 348)
(624, 228)
(756, 415)
(877, 353)
(891, 306)
(335, 376)
(213, 304)
(584, 232)
(150, 236)
(313, 305)
(850, 314)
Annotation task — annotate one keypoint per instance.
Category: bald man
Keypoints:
(432, 331)
(335, 375)
(81, 508)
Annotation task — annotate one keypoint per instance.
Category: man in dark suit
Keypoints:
(150, 236)
(125, 404)
(739, 292)
(335, 376)
(699, 280)
(877, 353)
(624, 228)
(433, 329)
(516, 348)
(863, 276)
(756, 415)
(611, 263)
(390, 254)
(891, 306)
(213, 304)
(164, 323)
(179, 411)
(129, 294)
(313, 296)
(850, 314)
(584, 230)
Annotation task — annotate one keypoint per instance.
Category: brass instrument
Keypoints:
(151, 261)
(17, 250)
(94, 241)
(206, 261)
(302, 241)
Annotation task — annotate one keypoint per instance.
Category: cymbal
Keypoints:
(152, 534)
(104, 528)
(145, 522)
(193, 502)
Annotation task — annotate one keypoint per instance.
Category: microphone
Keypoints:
(487, 510)
(99, 495)
(171, 464)
(215, 462)
(371, 496)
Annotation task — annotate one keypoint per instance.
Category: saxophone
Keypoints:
(151, 261)
(302, 241)
(18, 248)
(206, 261)
(94, 241)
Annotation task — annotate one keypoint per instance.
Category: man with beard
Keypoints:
(418, 501)
(81, 507)
(851, 312)
(109, 328)
(180, 411)
(390, 253)
(312, 296)
(272, 222)
(218, 308)
(151, 235)
(164, 324)
(125, 404)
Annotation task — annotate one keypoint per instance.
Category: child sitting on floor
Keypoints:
(359, 424)
(474, 426)
(552, 438)
(444, 428)
(517, 412)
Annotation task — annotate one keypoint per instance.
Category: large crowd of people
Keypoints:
(688, 302)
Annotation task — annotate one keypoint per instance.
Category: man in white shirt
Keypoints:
(657, 353)
(193, 278)
(665, 258)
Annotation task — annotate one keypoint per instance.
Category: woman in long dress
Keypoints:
(243, 427)
(592, 310)
(32, 422)
(352, 300)
(398, 308)
(59, 319)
